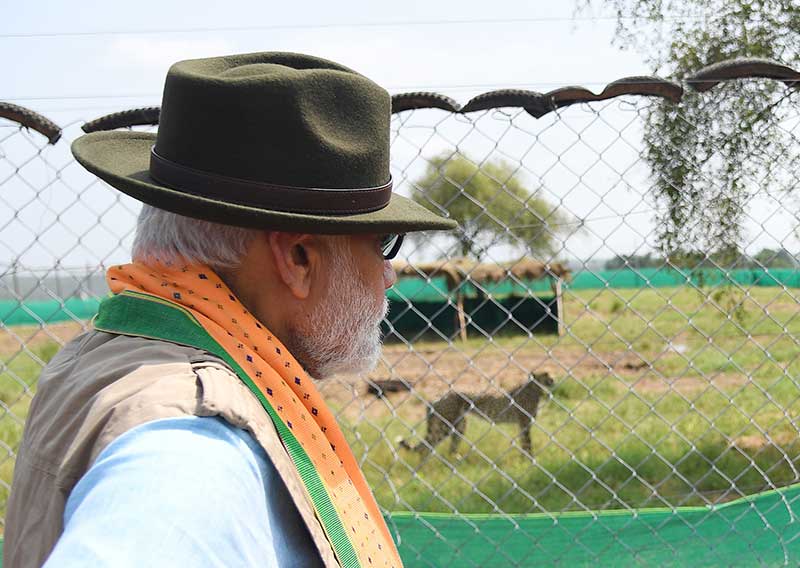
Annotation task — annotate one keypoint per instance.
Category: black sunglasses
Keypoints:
(390, 245)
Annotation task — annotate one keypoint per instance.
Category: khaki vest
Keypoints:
(102, 385)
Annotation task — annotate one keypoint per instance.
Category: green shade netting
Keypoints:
(36, 312)
(761, 530)
(671, 277)
(419, 290)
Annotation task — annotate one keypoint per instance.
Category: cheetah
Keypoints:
(447, 416)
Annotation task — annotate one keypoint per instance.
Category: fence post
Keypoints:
(559, 307)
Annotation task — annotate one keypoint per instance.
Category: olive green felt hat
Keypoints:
(271, 140)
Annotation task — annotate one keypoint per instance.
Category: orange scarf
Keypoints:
(292, 396)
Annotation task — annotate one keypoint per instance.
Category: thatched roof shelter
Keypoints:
(457, 270)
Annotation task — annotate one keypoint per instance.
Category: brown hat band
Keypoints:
(261, 195)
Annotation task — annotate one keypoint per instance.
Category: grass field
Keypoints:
(662, 397)
(669, 396)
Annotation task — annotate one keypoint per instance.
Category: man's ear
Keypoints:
(297, 259)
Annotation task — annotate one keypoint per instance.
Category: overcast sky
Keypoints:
(403, 46)
(74, 61)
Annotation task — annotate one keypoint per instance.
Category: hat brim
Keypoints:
(122, 160)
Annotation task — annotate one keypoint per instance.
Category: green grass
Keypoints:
(600, 436)
(609, 445)
(18, 374)
(613, 451)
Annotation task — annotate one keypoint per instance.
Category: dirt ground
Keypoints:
(12, 339)
(430, 372)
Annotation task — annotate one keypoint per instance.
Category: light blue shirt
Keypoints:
(186, 491)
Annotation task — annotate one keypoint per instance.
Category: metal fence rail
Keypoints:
(619, 216)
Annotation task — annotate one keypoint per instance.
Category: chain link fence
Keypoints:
(613, 327)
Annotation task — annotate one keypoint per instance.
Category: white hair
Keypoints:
(343, 334)
(162, 236)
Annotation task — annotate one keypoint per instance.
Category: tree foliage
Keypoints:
(728, 258)
(712, 152)
(647, 260)
(491, 204)
(775, 258)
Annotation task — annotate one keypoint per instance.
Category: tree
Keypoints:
(775, 258)
(647, 260)
(490, 203)
(708, 153)
(730, 258)
(725, 257)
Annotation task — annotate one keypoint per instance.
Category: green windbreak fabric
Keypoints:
(671, 277)
(435, 289)
(418, 290)
(36, 312)
(757, 531)
(763, 530)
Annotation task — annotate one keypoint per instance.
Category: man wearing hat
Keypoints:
(184, 428)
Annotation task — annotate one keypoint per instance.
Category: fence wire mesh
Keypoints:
(549, 356)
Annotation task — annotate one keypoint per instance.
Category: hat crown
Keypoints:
(279, 118)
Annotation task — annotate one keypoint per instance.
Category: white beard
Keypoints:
(343, 335)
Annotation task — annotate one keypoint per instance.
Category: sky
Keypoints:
(537, 44)
(74, 61)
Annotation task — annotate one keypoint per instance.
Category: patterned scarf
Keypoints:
(166, 300)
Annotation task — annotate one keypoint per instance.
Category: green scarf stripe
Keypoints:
(141, 315)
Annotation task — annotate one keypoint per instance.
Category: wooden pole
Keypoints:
(560, 308)
(462, 320)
